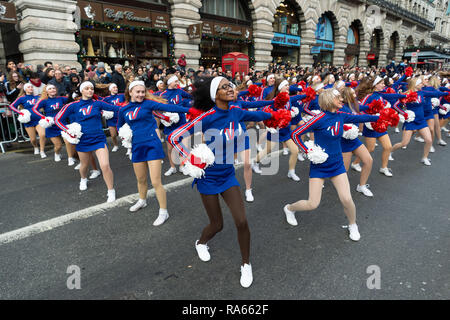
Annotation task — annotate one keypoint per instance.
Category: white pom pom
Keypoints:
(368, 125)
(108, 114)
(174, 118)
(73, 133)
(204, 153)
(294, 112)
(25, 117)
(47, 122)
(435, 102)
(352, 133)
(444, 109)
(307, 117)
(272, 130)
(411, 115)
(126, 134)
(402, 118)
(388, 105)
(193, 171)
(315, 154)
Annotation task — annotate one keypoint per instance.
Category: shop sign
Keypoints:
(315, 49)
(126, 15)
(91, 11)
(226, 30)
(325, 45)
(194, 31)
(286, 40)
(207, 28)
(7, 12)
(352, 50)
(371, 56)
(161, 20)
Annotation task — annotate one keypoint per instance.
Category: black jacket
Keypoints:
(119, 80)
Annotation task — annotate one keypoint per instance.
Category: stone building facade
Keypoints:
(381, 30)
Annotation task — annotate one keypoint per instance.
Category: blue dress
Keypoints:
(349, 145)
(51, 108)
(176, 96)
(28, 103)
(114, 100)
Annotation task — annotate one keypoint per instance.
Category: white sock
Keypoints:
(291, 171)
(84, 179)
(111, 191)
(163, 211)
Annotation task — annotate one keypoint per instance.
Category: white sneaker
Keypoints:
(364, 190)
(256, 168)
(386, 171)
(445, 129)
(170, 172)
(353, 232)
(432, 149)
(259, 147)
(111, 196)
(70, 162)
(285, 151)
(138, 205)
(442, 143)
(202, 251)
(246, 275)
(404, 148)
(376, 144)
(293, 176)
(249, 196)
(115, 149)
(162, 217)
(419, 138)
(290, 216)
(83, 184)
(95, 174)
(77, 167)
(356, 167)
(300, 157)
(390, 157)
(426, 161)
(36, 150)
(43, 155)
(397, 130)
(57, 157)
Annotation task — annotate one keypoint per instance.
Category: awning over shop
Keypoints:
(428, 55)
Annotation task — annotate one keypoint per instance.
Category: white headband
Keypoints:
(270, 76)
(50, 86)
(112, 85)
(351, 75)
(315, 78)
(294, 80)
(214, 86)
(27, 85)
(172, 80)
(419, 81)
(395, 75)
(340, 84)
(320, 86)
(309, 78)
(159, 82)
(377, 81)
(428, 76)
(447, 85)
(249, 82)
(282, 84)
(86, 84)
(135, 83)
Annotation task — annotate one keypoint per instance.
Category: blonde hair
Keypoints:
(148, 96)
(326, 81)
(349, 98)
(434, 82)
(326, 100)
(412, 84)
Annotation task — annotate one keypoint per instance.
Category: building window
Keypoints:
(286, 19)
(224, 8)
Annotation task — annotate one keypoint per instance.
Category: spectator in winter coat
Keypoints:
(182, 63)
(118, 78)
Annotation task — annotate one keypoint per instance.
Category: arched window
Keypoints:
(225, 8)
(286, 19)
(324, 29)
(353, 35)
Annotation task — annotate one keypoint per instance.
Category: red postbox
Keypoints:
(236, 62)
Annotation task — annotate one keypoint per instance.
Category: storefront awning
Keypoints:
(428, 55)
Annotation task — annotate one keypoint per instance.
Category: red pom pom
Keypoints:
(281, 100)
(375, 107)
(302, 84)
(310, 94)
(281, 118)
(353, 84)
(379, 126)
(347, 127)
(411, 97)
(193, 113)
(254, 90)
(390, 90)
(409, 71)
(264, 82)
(390, 117)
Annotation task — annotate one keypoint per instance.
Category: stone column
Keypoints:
(382, 60)
(263, 32)
(2, 54)
(308, 40)
(47, 31)
(183, 14)
(364, 48)
(340, 44)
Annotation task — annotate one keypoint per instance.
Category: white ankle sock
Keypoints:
(163, 211)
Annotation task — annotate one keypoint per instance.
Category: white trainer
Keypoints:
(426, 161)
(111, 196)
(404, 148)
(364, 190)
(36, 150)
(290, 216)
(432, 149)
(142, 203)
(162, 217)
(356, 167)
(353, 232)
(77, 167)
(285, 151)
(419, 138)
(256, 168)
(397, 130)
(115, 149)
(442, 143)
(445, 129)
(293, 176)
(83, 184)
(95, 174)
(57, 157)
(171, 171)
(300, 157)
(70, 162)
(246, 275)
(249, 196)
(259, 147)
(386, 171)
(202, 251)
(43, 155)
(390, 157)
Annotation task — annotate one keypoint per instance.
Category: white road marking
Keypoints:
(51, 224)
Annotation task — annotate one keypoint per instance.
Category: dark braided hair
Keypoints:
(202, 95)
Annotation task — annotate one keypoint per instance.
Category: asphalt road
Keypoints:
(404, 234)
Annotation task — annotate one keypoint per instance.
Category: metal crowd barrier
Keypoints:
(11, 130)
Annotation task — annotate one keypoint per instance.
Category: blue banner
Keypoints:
(286, 40)
(325, 45)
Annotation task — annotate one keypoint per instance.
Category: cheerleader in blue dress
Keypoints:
(219, 124)
(115, 99)
(328, 126)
